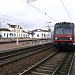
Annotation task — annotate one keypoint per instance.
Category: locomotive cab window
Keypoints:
(63, 30)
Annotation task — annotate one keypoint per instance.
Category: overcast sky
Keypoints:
(36, 14)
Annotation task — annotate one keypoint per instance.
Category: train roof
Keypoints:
(64, 23)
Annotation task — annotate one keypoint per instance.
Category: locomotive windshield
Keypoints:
(63, 30)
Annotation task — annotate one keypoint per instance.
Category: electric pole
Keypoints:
(48, 29)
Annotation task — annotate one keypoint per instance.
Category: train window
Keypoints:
(59, 31)
(68, 30)
(63, 30)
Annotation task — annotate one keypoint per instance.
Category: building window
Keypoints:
(7, 35)
(37, 35)
(44, 35)
(23, 35)
(26, 35)
(18, 26)
(4, 34)
(0, 35)
(11, 34)
(15, 34)
(19, 34)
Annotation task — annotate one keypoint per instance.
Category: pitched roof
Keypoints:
(13, 26)
(4, 29)
(24, 31)
(39, 30)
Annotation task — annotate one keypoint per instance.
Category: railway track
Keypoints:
(14, 55)
(56, 64)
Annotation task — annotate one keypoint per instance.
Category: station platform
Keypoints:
(20, 44)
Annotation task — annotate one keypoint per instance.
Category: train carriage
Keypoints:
(64, 34)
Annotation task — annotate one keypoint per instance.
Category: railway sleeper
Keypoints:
(61, 73)
(65, 67)
(45, 67)
(36, 73)
(43, 71)
(51, 63)
(46, 70)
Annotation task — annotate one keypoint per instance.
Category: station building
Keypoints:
(13, 31)
(40, 34)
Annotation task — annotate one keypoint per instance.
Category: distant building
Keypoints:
(12, 31)
(40, 34)
(5, 33)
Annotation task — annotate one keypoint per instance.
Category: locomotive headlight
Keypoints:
(56, 38)
(70, 38)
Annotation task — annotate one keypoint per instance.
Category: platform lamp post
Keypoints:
(48, 29)
(14, 31)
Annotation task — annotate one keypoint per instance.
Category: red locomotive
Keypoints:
(64, 34)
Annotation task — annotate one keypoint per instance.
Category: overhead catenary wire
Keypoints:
(8, 18)
(65, 9)
(41, 11)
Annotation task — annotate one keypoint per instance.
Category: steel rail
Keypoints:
(61, 64)
(23, 56)
(37, 64)
(54, 72)
(42, 68)
(18, 51)
(71, 65)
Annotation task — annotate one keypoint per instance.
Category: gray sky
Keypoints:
(36, 14)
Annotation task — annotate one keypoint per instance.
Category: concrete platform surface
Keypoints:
(20, 44)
